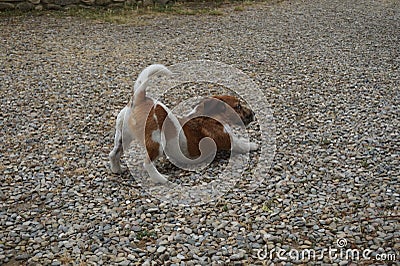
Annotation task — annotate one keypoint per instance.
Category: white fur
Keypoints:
(141, 81)
(192, 112)
(116, 153)
(176, 147)
(240, 145)
(156, 176)
(156, 137)
(123, 135)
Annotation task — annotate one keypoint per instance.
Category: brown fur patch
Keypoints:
(147, 118)
(200, 127)
(206, 122)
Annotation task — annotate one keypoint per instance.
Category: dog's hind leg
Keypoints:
(116, 153)
(154, 151)
(156, 176)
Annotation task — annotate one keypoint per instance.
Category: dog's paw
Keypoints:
(159, 179)
(117, 169)
(253, 146)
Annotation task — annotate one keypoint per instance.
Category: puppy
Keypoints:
(186, 140)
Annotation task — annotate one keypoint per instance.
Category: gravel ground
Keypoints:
(330, 72)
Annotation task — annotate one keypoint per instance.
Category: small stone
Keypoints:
(68, 244)
(151, 210)
(136, 228)
(23, 256)
(237, 256)
(55, 263)
(175, 260)
(161, 249)
(163, 243)
(151, 249)
(119, 259)
(124, 263)
(25, 6)
(6, 6)
(76, 250)
(307, 242)
(178, 237)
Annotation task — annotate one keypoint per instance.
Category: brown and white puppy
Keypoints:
(181, 139)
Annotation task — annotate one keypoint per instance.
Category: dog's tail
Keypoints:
(141, 82)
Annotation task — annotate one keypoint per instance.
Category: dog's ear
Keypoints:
(213, 106)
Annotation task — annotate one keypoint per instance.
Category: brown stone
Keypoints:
(116, 5)
(6, 6)
(88, 2)
(103, 2)
(65, 2)
(147, 3)
(53, 7)
(71, 7)
(25, 6)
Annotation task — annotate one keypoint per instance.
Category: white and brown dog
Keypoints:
(159, 131)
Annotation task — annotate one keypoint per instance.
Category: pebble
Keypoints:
(136, 228)
(180, 256)
(151, 249)
(55, 263)
(22, 256)
(237, 256)
(161, 249)
(188, 231)
(124, 263)
(131, 257)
